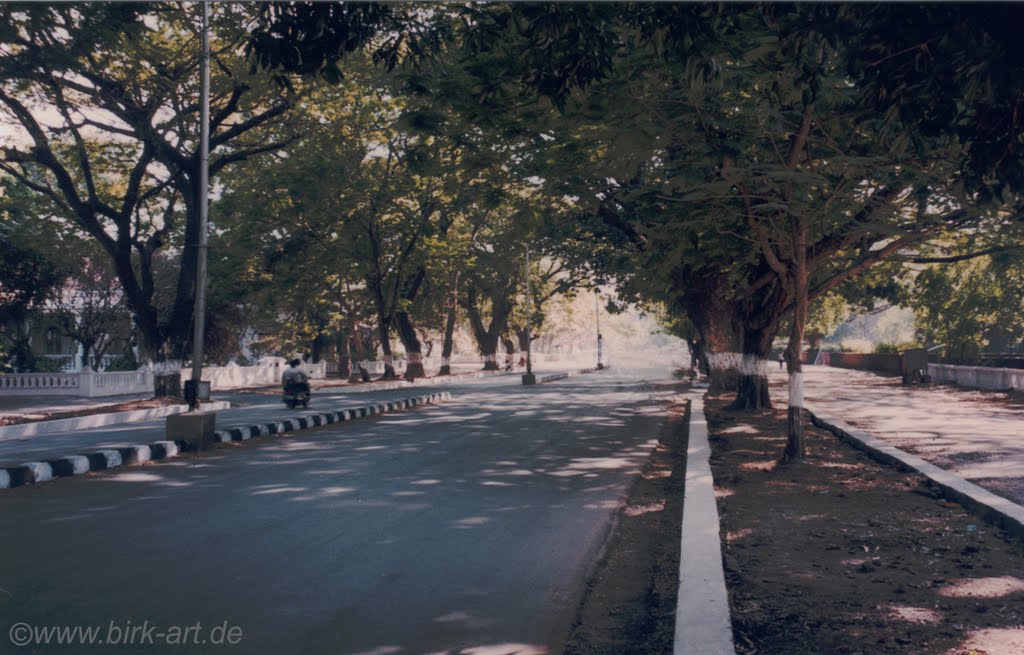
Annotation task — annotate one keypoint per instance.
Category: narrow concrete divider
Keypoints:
(994, 509)
(552, 377)
(38, 472)
(703, 625)
(98, 420)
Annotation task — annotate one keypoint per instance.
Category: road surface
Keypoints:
(465, 528)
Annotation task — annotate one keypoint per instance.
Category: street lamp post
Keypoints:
(192, 386)
(528, 377)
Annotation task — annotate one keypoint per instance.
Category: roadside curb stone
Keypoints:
(703, 624)
(551, 377)
(981, 502)
(101, 460)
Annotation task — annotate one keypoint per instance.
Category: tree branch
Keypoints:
(951, 259)
(763, 238)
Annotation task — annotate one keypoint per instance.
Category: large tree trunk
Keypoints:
(523, 337)
(449, 340)
(795, 448)
(406, 331)
(385, 346)
(752, 382)
(360, 352)
(317, 347)
(487, 338)
(413, 348)
(721, 341)
(344, 353)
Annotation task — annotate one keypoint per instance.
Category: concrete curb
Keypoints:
(551, 377)
(316, 420)
(98, 420)
(38, 472)
(361, 387)
(703, 625)
(992, 508)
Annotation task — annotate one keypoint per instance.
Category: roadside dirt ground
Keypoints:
(844, 555)
(628, 607)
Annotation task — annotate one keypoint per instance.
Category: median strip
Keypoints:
(44, 471)
(703, 624)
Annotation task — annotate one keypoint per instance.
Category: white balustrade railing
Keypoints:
(32, 383)
(980, 377)
(90, 384)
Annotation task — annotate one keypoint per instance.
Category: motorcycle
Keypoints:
(296, 393)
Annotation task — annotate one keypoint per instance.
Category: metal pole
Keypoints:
(597, 322)
(529, 330)
(204, 206)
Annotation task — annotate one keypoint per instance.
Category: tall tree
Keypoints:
(105, 99)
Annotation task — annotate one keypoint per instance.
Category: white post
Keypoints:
(86, 382)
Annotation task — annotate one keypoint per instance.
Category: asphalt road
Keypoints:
(465, 528)
(248, 406)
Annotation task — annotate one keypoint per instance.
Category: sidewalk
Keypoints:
(976, 435)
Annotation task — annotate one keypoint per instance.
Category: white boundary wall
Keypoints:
(979, 377)
(94, 385)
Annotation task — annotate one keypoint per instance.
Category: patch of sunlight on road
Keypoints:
(454, 617)
(513, 472)
(505, 649)
(381, 650)
(471, 522)
(279, 490)
(135, 477)
(604, 504)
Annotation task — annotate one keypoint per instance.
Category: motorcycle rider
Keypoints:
(294, 379)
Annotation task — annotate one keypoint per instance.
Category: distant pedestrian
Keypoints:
(782, 360)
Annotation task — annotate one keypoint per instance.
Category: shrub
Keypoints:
(895, 348)
(122, 363)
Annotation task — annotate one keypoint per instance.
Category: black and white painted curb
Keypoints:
(44, 471)
(981, 502)
(361, 387)
(317, 420)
